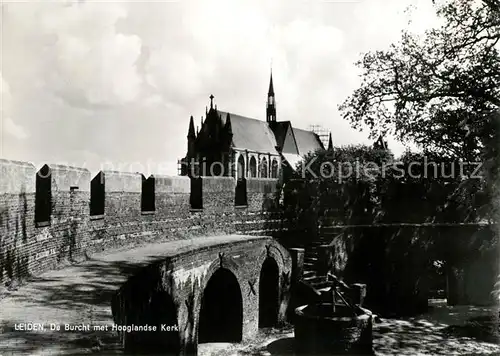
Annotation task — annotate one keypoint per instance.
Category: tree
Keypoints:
(438, 91)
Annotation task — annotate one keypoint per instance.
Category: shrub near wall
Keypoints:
(473, 271)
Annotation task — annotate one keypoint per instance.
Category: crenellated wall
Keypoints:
(29, 246)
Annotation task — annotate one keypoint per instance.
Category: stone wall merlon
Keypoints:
(262, 185)
(122, 182)
(218, 184)
(16, 177)
(172, 184)
(65, 177)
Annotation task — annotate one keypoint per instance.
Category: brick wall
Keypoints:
(30, 248)
(17, 231)
(72, 234)
(218, 193)
(261, 193)
(68, 229)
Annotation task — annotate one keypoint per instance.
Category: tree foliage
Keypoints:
(438, 90)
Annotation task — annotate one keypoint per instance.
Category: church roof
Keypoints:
(251, 134)
(293, 159)
(307, 141)
(280, 128)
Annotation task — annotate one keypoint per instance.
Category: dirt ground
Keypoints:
(444, 330)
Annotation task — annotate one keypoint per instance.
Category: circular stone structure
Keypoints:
(318, 331)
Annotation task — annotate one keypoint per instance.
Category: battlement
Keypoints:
(60, 214)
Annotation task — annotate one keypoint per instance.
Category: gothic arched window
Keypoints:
(263, 167)
(240, 169)
(253, 167)
(274, 168)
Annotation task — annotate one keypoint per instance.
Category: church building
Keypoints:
(230, 144)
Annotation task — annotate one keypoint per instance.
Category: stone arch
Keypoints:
(283, 261)
(139, 301)
(263, 167)
(272, 250)
(274, 168)
(221, 308)
(269, 293)
(162, 311)
(240, 167)
(253, 167)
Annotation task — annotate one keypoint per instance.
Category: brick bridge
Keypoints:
(220, 290)
(183, 251)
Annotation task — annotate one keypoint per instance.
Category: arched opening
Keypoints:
(268, 293)
(253, 167)
(160, 311)
(240, 167)
(43, 196)
(263, 168)
(274, 169)
(221, 314)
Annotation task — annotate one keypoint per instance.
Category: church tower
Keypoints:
(271, 103)
(191, 139)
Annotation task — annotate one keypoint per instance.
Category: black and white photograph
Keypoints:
(249, 177)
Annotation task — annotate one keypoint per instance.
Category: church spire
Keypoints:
(271, 103)
(191, 139)
(330, 142)
(229, 127)
(191, 132)
(271, 88)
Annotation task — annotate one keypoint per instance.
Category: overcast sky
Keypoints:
(86, 83)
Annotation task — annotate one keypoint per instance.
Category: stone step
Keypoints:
(315, 249)
(328, 231)
(325, 290)
(310, 259)
(314, 279)
(309, 273)
(317, 243)
(311, 264)
(321, 284)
